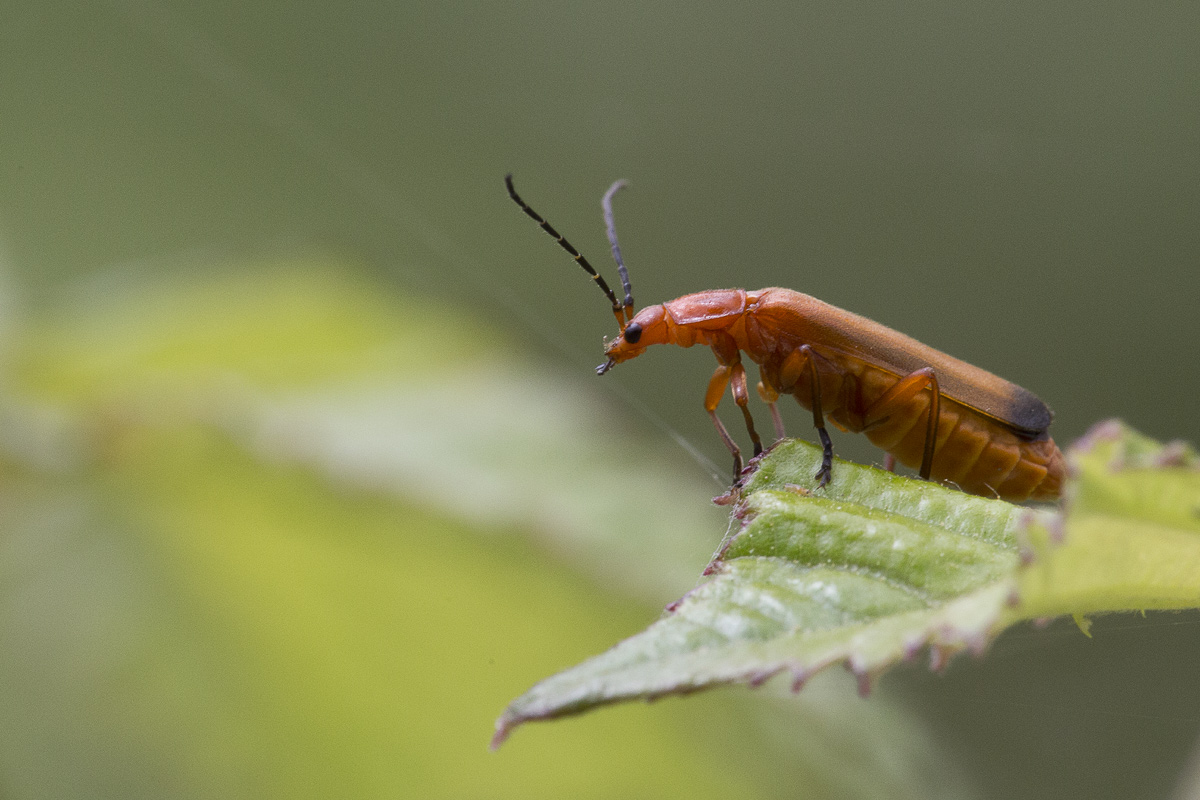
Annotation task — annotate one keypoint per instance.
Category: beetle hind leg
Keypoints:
(895, 399)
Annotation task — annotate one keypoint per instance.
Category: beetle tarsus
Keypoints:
(825, 473)
(822, 477)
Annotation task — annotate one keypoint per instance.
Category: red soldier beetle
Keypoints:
(954, 422)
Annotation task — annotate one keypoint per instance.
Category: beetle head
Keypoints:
(648, 326)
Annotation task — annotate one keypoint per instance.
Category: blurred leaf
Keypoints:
(194, 627)
(308, 366)
(879, 566)
(281, 324)
(265, 534)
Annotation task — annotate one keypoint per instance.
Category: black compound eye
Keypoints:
(633, 333)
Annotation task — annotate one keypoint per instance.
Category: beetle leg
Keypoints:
(889, 462)
(793, 367)
(826, 471)
(712, 398)
(741, 396)
(769, 396)
(895, 398)
(780, 433)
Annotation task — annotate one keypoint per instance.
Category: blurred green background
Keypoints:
(305, 474)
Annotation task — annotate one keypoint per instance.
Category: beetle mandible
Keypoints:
(954, 422)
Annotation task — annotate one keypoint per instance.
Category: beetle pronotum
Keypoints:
(954, 422)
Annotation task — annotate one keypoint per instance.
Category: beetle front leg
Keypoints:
(712, 398)
(742, 397)
(797, 361)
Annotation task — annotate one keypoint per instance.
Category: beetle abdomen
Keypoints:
(976, 455)
(973, 452)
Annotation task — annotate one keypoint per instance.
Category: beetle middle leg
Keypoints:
(799, 359)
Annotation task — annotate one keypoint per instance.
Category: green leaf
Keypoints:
(1128, 538)
(876, 567)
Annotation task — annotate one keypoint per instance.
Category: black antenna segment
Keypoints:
(606, 204)
(575, 254)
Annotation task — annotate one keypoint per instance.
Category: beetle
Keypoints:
(954, 422)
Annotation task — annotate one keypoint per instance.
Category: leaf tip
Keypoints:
(977, 643)
(757, 679)
(862, 675)
(939, 657)
(504, 727)
(1177, 453)
(1103, 431)
(726, 499)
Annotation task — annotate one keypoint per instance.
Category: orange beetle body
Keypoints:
(991, 434)
(953, 421)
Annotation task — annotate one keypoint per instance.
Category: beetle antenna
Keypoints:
(606, 203)
(575, 254)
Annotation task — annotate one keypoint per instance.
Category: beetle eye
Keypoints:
(633, 333)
